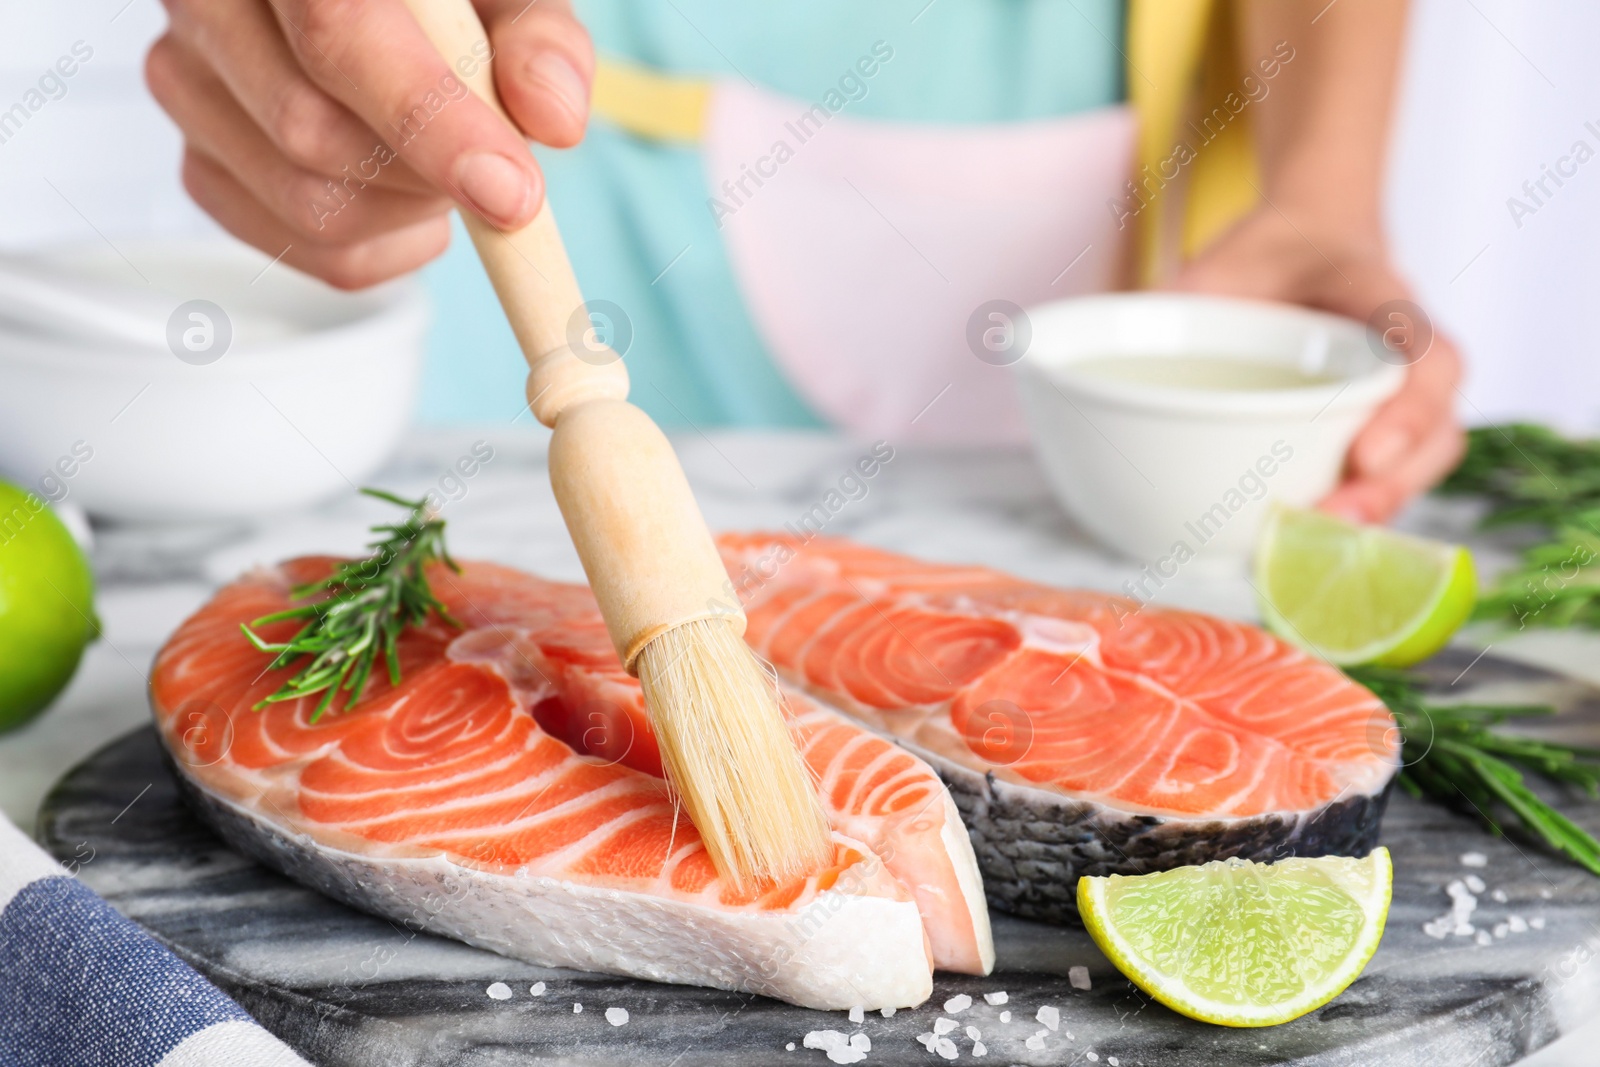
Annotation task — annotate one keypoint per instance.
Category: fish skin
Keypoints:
(1033, 846)
(1305, 757)
(461, 746)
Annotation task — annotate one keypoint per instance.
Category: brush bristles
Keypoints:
(729, 754)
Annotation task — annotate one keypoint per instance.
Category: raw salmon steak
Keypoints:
(508, 793)
(1080, 733)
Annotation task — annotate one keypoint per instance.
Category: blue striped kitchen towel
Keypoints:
(82, 986)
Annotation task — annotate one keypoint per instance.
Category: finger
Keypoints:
(543, 67)
(315, 208)
(1426, 399)
(1378, 498)
(373, 57)
(353, 266)
(245, 47)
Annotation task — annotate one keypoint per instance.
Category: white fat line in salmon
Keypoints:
(851, 487)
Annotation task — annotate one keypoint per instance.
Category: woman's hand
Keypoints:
(1414, 439)
(331, 132)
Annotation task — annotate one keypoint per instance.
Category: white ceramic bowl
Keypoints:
(1162, 473)
(310, 399)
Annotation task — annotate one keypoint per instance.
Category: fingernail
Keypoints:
(552, 72)
(1382, 448)
(498, 188)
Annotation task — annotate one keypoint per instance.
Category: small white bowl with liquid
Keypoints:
(1167, 423)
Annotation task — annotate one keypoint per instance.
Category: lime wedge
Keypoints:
(1360, 594)
(1238, 943)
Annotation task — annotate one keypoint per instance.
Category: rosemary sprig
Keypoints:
(1530, 475)
(361, 610)
(1451, 754)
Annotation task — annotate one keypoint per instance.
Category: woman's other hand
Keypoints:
(1316, 235)
(1415, 438)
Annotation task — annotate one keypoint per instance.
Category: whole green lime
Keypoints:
(46, 605)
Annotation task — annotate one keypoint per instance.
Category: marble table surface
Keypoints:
(986, 506)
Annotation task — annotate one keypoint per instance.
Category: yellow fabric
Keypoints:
(648, 104)
(1181, 65)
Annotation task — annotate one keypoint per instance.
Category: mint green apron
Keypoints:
(636, 213)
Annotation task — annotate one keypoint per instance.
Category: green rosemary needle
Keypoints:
(360, 612)
(1534, 477)
(1450, 754)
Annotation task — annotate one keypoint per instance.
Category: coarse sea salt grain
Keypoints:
(1474, 859)
(1475, 883)
(887, 1013)
(1537, 922)
(1112, 1060)
(1517, 924)
(996, 998)
(959, 1002)
(928, 1040)
(536, 989)
(858, 1014)
(789, 1047)
(1092, 1057)
(617, 1016)
(1545, 894)
(1483, 938)
(943, 1026)
(1036, 1042)
(1079, 977)
(1457, 920)
(1502, 929)
(499, 991)
(577, 1009)
(840, 1049)
(1049, 1016)
(980, 1049)
(1499, 896)
(1005, 1016)
(946, 1048)
(974, 1033)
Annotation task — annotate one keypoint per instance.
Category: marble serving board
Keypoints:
(347, 988)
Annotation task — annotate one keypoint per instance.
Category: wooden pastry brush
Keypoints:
(647, 551)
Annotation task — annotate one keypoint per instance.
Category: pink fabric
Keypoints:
(863, 254)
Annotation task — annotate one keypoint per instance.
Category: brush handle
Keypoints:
(528, 267)
(645, 547)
